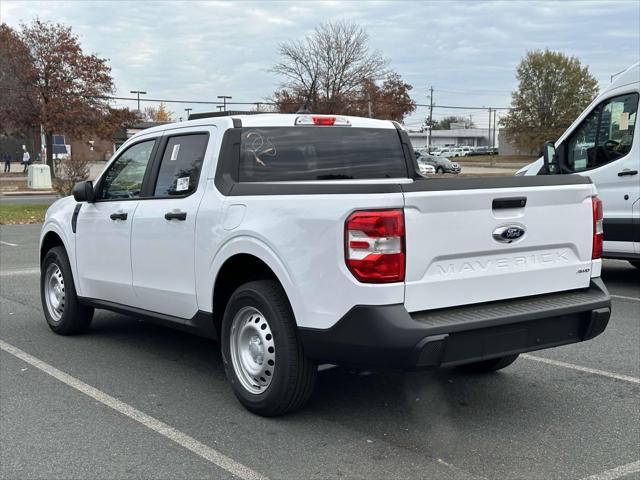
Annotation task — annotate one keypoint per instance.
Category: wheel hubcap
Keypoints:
(54, 292)
(253, 353)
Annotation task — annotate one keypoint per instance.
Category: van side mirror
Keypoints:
(550, 158)
(83, 192)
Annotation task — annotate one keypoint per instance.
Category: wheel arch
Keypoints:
(50, 240)
(237, 270)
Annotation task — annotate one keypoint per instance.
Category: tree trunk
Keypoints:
(49, 142)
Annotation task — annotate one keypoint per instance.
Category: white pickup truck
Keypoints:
(298, 240)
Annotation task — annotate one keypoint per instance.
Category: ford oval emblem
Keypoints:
(509, 233)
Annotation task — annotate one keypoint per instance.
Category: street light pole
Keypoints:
(138, 92)
(188, 110)
(430, 117)
(224, 101)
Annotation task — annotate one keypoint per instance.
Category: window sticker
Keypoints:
(182, 184)
(174, 152)
(624, 121)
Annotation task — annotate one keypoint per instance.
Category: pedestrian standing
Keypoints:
(7, 162)
(26, 158)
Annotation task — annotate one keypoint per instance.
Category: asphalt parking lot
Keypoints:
(133, 400)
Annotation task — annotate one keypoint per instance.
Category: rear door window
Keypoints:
(270, 154)
(181, 165)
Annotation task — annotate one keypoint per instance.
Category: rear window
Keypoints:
(271, 154)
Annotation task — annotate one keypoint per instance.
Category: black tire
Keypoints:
(487, 366)
(439, 170)
(635, 263)
(73, 318)
(294, 375)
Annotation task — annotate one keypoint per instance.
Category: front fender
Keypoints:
(58, 220)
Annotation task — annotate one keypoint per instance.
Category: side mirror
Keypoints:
(83, 192)
(551, 158)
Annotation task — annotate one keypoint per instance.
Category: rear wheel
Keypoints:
(262, 355)
(488, 365)
(635, 263)
(63, 312)
(439, 170)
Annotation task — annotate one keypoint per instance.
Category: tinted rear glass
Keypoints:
(320, 153)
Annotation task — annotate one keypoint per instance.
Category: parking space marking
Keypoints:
(625, 298)
(176, 436)
(8, 243)
(24, 271)
(618, 472)
(603, 373)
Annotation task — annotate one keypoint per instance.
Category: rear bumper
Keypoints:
(388, 336)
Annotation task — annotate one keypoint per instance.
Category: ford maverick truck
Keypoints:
(298, 240)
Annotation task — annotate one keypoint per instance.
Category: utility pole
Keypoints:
(495, 114)
(224, 101)
(430, 126)
(188, 110)
(489, 131)
(138, 92)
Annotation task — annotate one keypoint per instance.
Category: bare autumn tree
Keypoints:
(66, 87)
(552, 91)
(327, 67)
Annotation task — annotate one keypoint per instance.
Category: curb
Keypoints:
(19, 193)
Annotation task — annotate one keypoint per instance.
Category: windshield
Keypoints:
(270, 154)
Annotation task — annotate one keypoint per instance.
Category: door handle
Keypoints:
(627, 173)
(175, 216)
(118, 216)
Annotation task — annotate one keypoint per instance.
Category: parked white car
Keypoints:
(452, 152)
(425, 168)
(603, 143)
(304, 239)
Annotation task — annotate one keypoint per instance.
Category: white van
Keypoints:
(603, 143)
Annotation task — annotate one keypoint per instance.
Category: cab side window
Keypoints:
(181, 165)
(605, 135)
(125, 175)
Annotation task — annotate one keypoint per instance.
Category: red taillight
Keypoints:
(374, 246)
(324, 120)
(596, 250)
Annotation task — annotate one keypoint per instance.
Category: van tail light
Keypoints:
(598, 231)
(375, 246)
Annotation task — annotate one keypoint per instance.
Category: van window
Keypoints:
(605, 135)
(181, 165)
(300, 153)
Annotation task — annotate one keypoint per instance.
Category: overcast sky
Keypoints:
(467, 50)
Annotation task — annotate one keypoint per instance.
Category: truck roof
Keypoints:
(266, 120)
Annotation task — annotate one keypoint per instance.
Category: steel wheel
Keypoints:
(54, 293)
(252, 349)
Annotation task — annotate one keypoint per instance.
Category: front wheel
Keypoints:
(440, 170)
(64, 314)
(263, 358)
(487, 366)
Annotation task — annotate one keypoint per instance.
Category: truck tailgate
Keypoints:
(453, 255)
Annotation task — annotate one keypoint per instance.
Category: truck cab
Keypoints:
(602, 143)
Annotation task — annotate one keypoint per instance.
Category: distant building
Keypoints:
(124, 134)
(472, 137)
